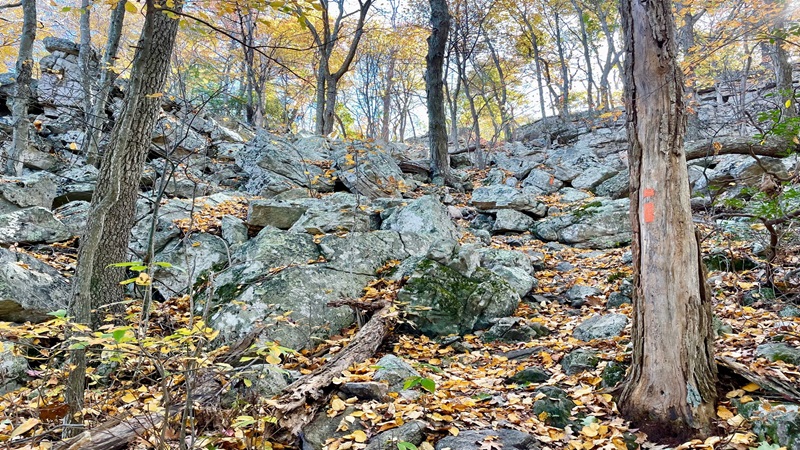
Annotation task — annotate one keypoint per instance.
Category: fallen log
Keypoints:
(422, 166)
(785, 390)
(303, 398)
(772, 146)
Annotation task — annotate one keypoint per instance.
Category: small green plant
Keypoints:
(406, 446)
(425, 383)
(144, 279)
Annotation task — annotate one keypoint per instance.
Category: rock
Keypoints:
(720, 259)
(495, 176)
(778, 423)
(31, 287)
(233, 230)
(20, 193)
(13, 368)
(365, 253)
(510, 220)
(779, 352)
(175, 138)
(303, 290)
(564, 266)
(556, 405)
(513, 266)
(32, 225)
(274, 165)
(74, 216)
(790, 311)
(336, 213)
(570, 195)
(453, 303)
(192, 259)
(265, 381)
(506, 197)
(531, 375)
(603, 223)
(510, 329)
(617, 299)
(615, 187)
(758, 295)
(165, 228)
(54, 44)
(613, 374)
(578, 294)
(425, 216)
(323, 428)
(501, 438)
(394, 371)
(75, 183)
(579, 360)
(274, 213)
(368, 169)
(367, 390)
(411, 432)
(592, 177)
(543, 181)
(601, 327)
(570, 163)
(274, 248)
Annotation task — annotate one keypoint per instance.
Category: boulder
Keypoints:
(324, 428)
(578, 294)
(530, 375)
(192, 259)
(365, 253)
(31, 226)
(601, 327)
(13, 368)
(20, 193)
(272, 248)
(337, 212)
(504, 438)
(778, 423)
(543, 181)
(292, 302)
(506, 197)
(579, 360)
(31, 287)
(603, 223)
(512, 330)
(426, 217)
(443, 301)
(394, 371)
(615, 187)
(411, 432)
(513, 266)
(234, 230)
(274, 213)
(173, 137)
(514, 221)
(779, 351)
(555, 404)
(368, 169)
(74, 215)
(592, 177)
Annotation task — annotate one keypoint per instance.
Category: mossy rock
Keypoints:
(613, 374)
(556, 406)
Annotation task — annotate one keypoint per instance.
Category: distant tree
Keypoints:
(434, 88)
(22, 92)
(671, 387)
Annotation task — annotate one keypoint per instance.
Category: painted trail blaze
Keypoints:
(649, 207)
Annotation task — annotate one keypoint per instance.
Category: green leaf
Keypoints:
(406, 446)
(128, 281)
(126, 264)
(78, 346)
(163, 264)
(61, 313)
(428, 384)
(119, 334)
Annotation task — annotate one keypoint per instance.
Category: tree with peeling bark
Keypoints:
(434, 88)
(96, 290)
(22, 93)
(670, 391)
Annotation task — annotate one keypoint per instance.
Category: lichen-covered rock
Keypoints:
(578, 294)
(613, 374)
(33, 286)
(601, 327)
(475, 440)
(531, 375)
(394, 371)
(506, 197)
(365, 253)
(603, 223)
(579, 360)
(411, 432)
(442, 301)
(32, 226)
(368, 169)
(777, 423)
(779, 351)
(513, 266)
(191, 260)
(426, 217)
(19, 193)
(510, 220)
(13, 368)
(274, 213)
(274, 248)
(543, 181)
(556, 406)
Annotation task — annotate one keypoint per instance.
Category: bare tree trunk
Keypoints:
(434, 88)
(98, 117)
(783, 71)
(96, 290)
(22, 93)
(85, 60)
(670, 391)
(387, 95)
(502, 96)
(586, 55)
(564, 70)
(319, 123)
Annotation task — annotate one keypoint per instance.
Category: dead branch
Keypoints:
(785, 390)
(771, 146)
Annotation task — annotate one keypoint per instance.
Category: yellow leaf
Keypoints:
(724, 413)
(155, 95)
(143, 279)
(272, 359)
(73, 146)
(338, 404)
(742, 438)
(131, 8)
(128, 398)
(24, 427)
(359, 436)
(788, 103)
(453, 430)
(752, 387)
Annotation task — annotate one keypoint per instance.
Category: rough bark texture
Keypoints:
(22, 94)
(670, 391)
(96, 290)
(98, 116)
(434, 88)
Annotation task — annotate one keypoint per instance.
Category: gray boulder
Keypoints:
(368, 169)
(338, 212)
(556, 405)
(504, 438)
(274, 213)
(777, 423)
(426, 217)
(443, 301)
(394, 371)
(779, 352)
(578, 294)
(364, 253)
(272, 247)
(543, 181)
(74, 215)
(514, 221)
(234, 230)
(592, 177)
(571, 195)
(601, 327)
(192, 260)
(13, 368)
(514, 267)
(20, 193)
(323, 428)
(579, 360)
(303, 292)
(31, 226)
(33, 287)
(615, 187)
(496, 197)
(175, 138)
(411, 432)
(603, 223)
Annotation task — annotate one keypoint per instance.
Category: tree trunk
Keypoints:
(329, 118)
(96, 290)
(434, 88)
(387, 95)
(670, 391)
(98, 117)
(564, 71)
(586, 56)
(319, 122)
(22, 94)
(783, 72)
(85, 61)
